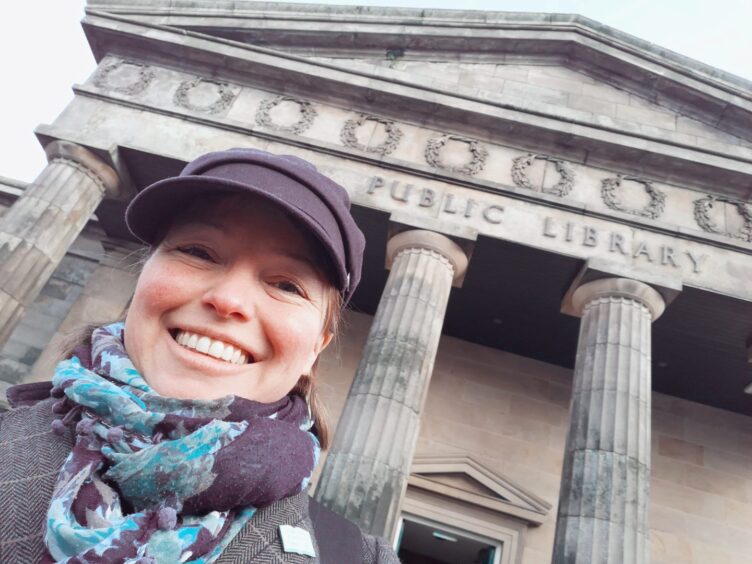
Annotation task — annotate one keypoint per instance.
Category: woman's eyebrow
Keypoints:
(298, 257)
(287, 253)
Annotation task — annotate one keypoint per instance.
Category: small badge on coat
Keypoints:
(297, 540)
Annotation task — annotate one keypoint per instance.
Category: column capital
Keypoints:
(432, 241)
(619, 287)
(668, 288)
(104, 173)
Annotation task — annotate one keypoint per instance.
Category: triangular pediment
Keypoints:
(657, 85)
(554, 89)
(464, 479)
(477, 75)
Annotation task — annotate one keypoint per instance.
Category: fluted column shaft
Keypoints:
(36, 231)
(366, 471)
(603, 501)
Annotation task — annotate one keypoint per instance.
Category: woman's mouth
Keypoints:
(211, 347)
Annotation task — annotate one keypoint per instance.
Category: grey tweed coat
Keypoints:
(31, 455)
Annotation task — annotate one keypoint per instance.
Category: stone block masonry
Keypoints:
(42, 319)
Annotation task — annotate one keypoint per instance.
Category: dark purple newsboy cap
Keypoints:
(318, 204)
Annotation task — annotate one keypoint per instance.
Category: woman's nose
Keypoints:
(231, 296)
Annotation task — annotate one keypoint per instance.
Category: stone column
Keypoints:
(38, 228)
(104, 299)
(366, 471)
(603, 502)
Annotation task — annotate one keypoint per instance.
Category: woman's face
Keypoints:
(231, 302)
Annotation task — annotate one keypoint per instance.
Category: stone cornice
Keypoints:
(48, 133)
(384, 93)
(657, 72)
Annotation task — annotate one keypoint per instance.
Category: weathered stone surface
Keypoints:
(36, 330)
(603, 502)
(37, 230)
(104, 297)
(721, 269)
(366, 472)
(381, 90)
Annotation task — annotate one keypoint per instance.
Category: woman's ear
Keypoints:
(319, 347)
(324, 340)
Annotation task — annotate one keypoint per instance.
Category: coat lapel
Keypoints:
(259, 541)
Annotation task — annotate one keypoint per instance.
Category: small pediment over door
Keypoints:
(468, 481)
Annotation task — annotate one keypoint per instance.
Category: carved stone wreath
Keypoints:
(477, 161)
(702, 216)
(350, 139)
(225, 96)
(145, 75)
(307, 114)
(653, 210)
(561, 188)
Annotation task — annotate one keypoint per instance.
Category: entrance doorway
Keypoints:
(421, 541)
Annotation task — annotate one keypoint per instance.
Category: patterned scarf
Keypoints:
(154, 479)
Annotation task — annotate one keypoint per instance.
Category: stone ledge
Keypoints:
(176, 12)
(383, 93)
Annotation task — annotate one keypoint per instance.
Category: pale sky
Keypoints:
(43, 51)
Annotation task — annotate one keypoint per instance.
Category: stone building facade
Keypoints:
(548, 355)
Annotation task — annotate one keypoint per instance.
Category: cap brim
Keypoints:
(152, 211)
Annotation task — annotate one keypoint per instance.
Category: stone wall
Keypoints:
(103, 298)
(701, 508)
(43, 318)
(510, 413)
(92, 283)
(557, 89)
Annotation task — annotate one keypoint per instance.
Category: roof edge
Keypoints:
(377, 14)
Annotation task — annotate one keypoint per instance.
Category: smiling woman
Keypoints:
(193, 426)
(239, 281)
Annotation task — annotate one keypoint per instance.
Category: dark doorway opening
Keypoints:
(421, 542)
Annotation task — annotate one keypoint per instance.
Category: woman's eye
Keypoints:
(198, 252)
(289, 287)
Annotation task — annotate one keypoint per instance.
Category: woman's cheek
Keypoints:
(160, 287)
(300, 334)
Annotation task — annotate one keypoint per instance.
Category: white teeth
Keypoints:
(216, 349)
(228, 352)
(203, 344)
(211, 347)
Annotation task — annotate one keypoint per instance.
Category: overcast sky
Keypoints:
(43, 51)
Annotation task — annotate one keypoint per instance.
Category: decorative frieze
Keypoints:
(124, 77)
(520, 177)
(349, 137)
(220, 95)
(702, 216)
(653, 210)
(446, 151)
(306, 109)
(478, 155)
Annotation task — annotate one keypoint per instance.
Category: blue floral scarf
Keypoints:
(156, 480)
